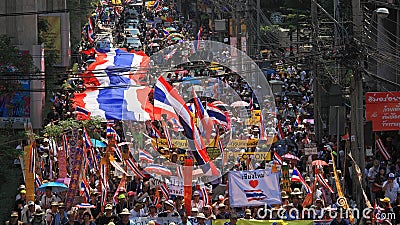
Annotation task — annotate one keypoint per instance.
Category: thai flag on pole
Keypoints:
(217, 115)
(156, 4)
(118, 152)
(103, 175)
(204, 195)
(206, 123)
(277, 159)
(179, 171)
(32, 160)
(321, 180)
(168, 136)
(164, 93)
(145, 156)
(156, 200)
(198, 39)
(111, 132)
(86, 138)
(85, 190)
(382, 149)
(38, 181)
(251, 104)
(82, 113)
(297, 177)
(154, 131)
(104, 194)
(297, 122)
(164, 190)
(131, 164)
(94, 158)
(90, 31)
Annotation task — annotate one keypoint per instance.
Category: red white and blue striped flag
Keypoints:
(204, 194)
(297, 122)
(277, 158)
(90, 31)
(297, 177)
(85, 190)
(82, 113)
(168, 136)
(179, 171)
(131, 164)
(145, 156)
(165, 191)
(321, 180)
(118, 152)
(165, 94)
(382, 149)
(86, 138)
(198, 38)
(38, 181)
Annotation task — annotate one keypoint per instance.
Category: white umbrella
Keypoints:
(240, 104)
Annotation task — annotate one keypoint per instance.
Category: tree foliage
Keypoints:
(63, 126)
(10, 56)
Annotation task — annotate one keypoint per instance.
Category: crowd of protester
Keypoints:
(294, 117)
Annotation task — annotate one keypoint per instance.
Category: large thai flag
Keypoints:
(217, 115)
(145, 156)
(112, 90)
(297, 177)
(382, 149)
(206, 123)
(198, 39)
(156, 4)
(90, 31)
(204, 195)
(165, 94)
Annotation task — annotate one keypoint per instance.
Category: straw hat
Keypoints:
(125, 212)
(201, 216)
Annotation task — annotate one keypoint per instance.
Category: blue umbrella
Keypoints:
(165, 8)
(190, 80)
(55, 186)
(98, 143)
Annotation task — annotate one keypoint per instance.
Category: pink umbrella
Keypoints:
(319, 163)
(240, 104)
(290, 156)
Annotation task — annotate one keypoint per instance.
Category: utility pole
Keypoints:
(316, 85)
(356, 93)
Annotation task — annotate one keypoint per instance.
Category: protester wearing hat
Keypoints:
(71, 218)
(391, 188)
(122, 203)
(107, 216)
(50, 213)
(38, 218)
(60, 217)
(94, 200)
(125, 215)
(169, 209)
(200, 219)
(285, 197)
(248, 214)
(131, 200)
(28, 211)
(20, 203)
(20, 188)
(197, 202)
(208, 212)
(136, 211)
(14, 219)
(222, 214)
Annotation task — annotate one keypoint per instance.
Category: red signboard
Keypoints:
(383, 109)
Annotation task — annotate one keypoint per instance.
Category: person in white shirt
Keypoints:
(391, 188)
(197, 202)
(47, 199)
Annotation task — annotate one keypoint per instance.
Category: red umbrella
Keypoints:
(290, 156)
(319, 163)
